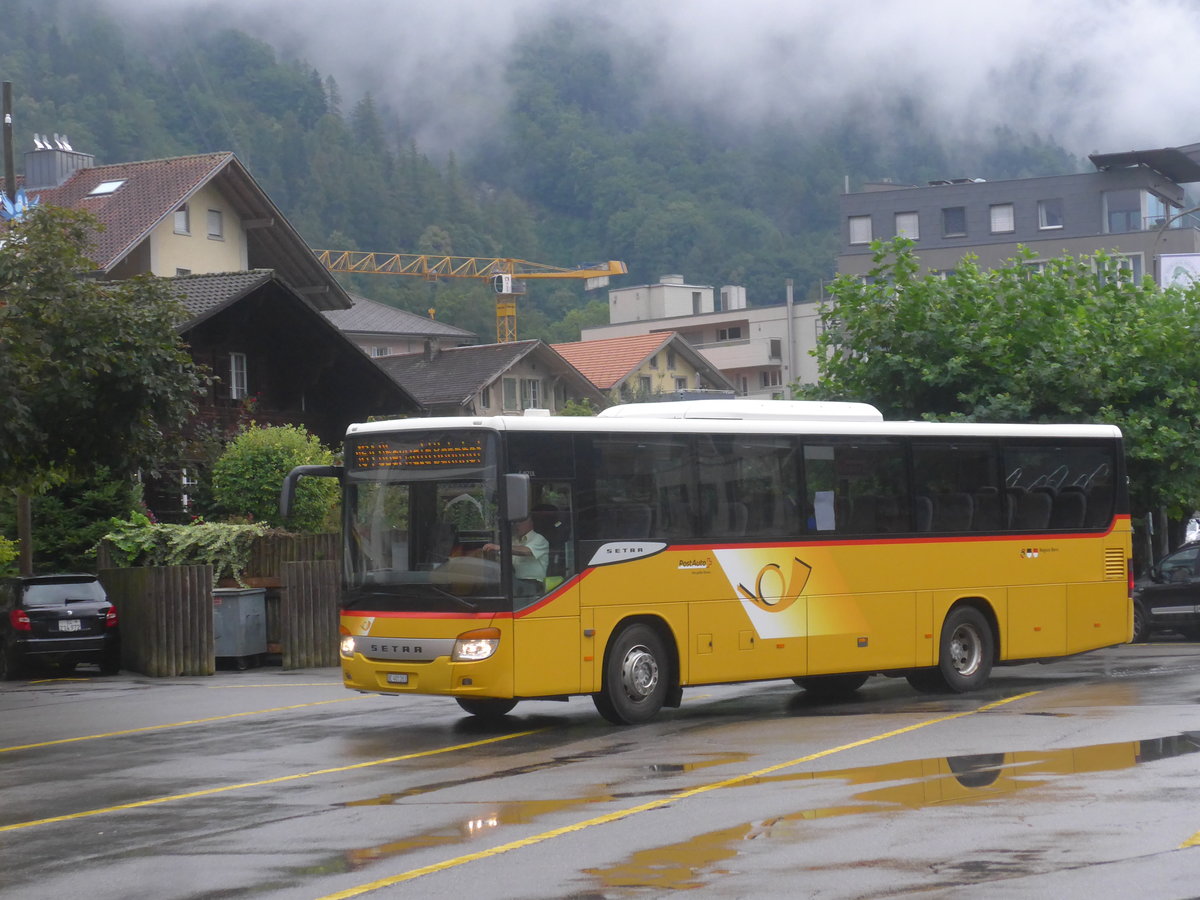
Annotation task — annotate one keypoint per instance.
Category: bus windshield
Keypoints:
(420, 508)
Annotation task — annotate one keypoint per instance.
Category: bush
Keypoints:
(140, 542)
(9, 551)
(247, 477)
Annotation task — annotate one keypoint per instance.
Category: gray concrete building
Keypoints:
(1134, 206)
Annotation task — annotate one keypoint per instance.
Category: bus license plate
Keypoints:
(69, 625)
(398, 678)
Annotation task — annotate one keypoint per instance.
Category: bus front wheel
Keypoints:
(486, 707)
(636, 677)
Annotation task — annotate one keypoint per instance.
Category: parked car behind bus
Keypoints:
(62, 619)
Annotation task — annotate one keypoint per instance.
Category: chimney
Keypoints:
(52, 162)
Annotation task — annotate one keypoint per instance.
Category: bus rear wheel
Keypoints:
(636, 677)
(831, 685)
(486, 707)
(965, 655)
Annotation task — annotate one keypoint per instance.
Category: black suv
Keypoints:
(64, 619)
(1169, 598)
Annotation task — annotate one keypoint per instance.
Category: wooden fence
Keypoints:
(308, 614)
(166, 618)
(166, 612)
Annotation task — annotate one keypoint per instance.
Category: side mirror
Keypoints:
(287, 495)
(516, 497)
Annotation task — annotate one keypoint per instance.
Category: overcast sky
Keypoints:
(1101, 75)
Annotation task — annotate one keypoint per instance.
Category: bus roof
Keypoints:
(741, 410)
(749, 423)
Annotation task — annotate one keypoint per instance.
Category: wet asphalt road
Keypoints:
(1077, 779)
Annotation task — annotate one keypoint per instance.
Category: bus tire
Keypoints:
(831, 685)
(1141, 623)
(966, 651)
(636, 677)
(486, 707)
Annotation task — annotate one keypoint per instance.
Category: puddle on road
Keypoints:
(914, 784)
(417, 790)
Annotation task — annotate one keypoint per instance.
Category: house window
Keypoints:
(776, 348)
(510, 395)
(681, 384)
(1050, 213)
(179, 273)
(216, 225)
(695, 303)
(670, 359)
(381, 351)
(1002, 218)
(770, 378)
(644, 386)
(654, 361)
(183, 222)
(237, 376)
(531, 393)
(1122, 211)
(860, 229)
(485, 398)
(954, 221)
(908, 225)
(730, 334)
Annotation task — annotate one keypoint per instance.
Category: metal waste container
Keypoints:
(240, 625)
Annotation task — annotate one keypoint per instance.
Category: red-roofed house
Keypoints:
(644, 366)
(252, 290)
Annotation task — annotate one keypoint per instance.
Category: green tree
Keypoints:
(247, 477)
(94, 373)
(1069, 340)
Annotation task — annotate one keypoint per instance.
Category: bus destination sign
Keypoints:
(427, 454)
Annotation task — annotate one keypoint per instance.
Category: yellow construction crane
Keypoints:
(507, 275)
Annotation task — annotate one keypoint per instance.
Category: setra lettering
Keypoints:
(396, 648)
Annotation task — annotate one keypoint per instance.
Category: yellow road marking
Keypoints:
(208, 792)
(109, 734)
(651, 805)
(1193, 841)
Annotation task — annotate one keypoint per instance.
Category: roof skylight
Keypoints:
(105, 187)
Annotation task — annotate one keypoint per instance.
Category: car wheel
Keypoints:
(10, 664)
(967, 648)
(486, 707)
(110, 663)
(1141, 623)
(636, 677)
(831, 686)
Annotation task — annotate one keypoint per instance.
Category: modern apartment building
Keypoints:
(1133, 206)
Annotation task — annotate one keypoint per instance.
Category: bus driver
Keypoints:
(530, 554)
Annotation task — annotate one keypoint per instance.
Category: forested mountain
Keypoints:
(587, 165)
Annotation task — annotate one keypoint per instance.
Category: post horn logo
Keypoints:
(775, 592)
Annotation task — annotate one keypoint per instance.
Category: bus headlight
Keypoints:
(472, 646)
(347, 647)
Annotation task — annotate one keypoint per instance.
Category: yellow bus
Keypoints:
(660, 546)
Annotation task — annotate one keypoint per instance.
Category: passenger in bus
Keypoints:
(530, 554)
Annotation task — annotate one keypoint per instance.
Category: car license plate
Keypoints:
(398, 678)
(69, 625)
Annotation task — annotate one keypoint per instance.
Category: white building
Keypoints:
(761, 349)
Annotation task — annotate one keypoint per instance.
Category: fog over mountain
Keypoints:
(1095, 75)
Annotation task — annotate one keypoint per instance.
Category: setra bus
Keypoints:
(701, 542)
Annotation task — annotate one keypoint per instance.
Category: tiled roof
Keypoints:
(368, 316)
(606, 361)
(203, 295)
(451, 377)
(455, 374)
(150, 191)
